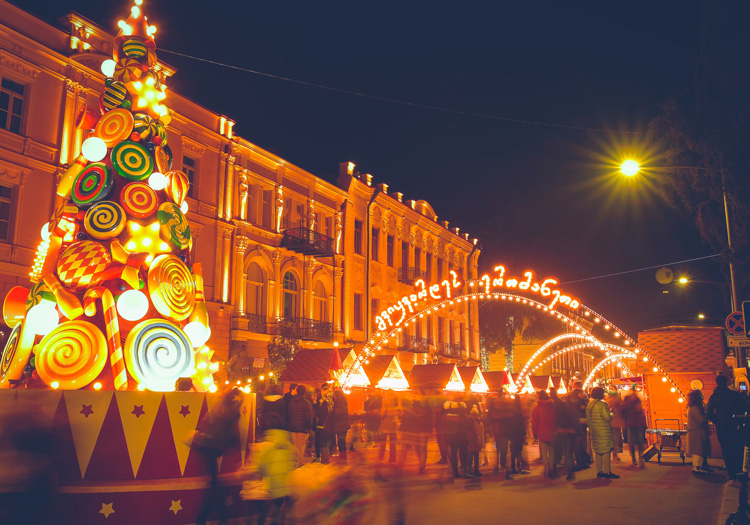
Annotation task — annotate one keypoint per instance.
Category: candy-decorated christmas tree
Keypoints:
(115, 300)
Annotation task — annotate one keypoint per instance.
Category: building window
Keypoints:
(417, 258)
(11, 105)
(461, 334)
(251, 211)
(255, 303)
(290, 295)
(389, 250)
(428, 265)
(285, 220)
(439, 268)
(320, 297)
(451, 335)
(301, 216)
(329, 228)
(188, 166)
(429, 327)
(358, 237)
(267, 218)
(375, 244)
(441, 328)
(374, 306)
(404, 254)
(6, 199)
(357, 311)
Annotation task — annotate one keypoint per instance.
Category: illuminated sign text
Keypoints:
(546, 288)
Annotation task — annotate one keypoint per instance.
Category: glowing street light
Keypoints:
(630, 168)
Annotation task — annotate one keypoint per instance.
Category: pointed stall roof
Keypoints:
(498, 380)
(316, 365)
(473, 379)
(443, 376)
(526, 387)
(541, 383)
(559, 384)
(384, 371)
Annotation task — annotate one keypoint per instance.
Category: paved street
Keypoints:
(655, 494)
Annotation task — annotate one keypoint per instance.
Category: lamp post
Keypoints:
(631, 168)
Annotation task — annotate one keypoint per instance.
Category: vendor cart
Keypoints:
(668, 437)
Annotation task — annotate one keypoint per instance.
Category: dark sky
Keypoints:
(538, 197)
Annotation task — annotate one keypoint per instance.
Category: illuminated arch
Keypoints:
(603, 362)
(570, 312)
(559, 352)
(593, 341)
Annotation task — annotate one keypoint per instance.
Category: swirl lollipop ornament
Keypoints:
(72, 355)
(157, 353)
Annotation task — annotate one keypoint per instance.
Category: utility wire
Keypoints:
(402, 102)
(642, 269)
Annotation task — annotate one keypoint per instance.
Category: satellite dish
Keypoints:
(664, 276)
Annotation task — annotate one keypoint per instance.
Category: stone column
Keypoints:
(338, 300)
(229, 186)
(240, 246)
(274, 286)
(310, 266)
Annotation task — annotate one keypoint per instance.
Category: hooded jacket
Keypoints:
(276, 459)
(543, 420)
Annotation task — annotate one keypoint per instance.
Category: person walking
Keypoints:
(722, 406)
(564, 435)
(577, 402)
(618, 422)
(323, 409)
(699, 442)
(299, 414)
(598, 418)
(543, 430)
(456, 422)
(338, 424)
(416, 427)
(373, 417)
(501, 417)
(635, 420)
(475, 439)
(390, 420)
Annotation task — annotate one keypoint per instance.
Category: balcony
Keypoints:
(410, 275)
(306, 329)
(257, 323)
(308, 242)
(418, 345)
(453, 350)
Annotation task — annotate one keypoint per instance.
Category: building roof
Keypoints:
(377, 367)
(467, 374)
(683, 349)
(313, 365)
(431, 376)
(496, 380)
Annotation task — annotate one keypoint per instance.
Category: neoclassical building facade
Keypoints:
(283, 251)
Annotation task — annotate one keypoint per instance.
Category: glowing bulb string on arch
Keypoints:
(495, 289)
(603, 362)
(565, 350)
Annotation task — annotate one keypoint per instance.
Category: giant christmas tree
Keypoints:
(115, 299)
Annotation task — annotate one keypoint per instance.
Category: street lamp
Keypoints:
(631, 167)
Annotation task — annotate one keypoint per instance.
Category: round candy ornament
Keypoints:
(38, 292)
(105, 220)
(171, 287)
(131, 160)
(133, 48)
(114, 126)
(86, 119)
(144, 125)
(174, 226)
(139, 200)
(113, 97)
(81, 264)
(72, 355)
(92, 185)
(128, 70)
(157, 353)
(161, 133)
(163, 165)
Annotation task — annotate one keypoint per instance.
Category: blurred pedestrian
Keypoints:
(723, 405)
(598, 417)
(502, 416)
(273, 410)
(699, 442)
(300, 419)
(275, 460)
(292, 390)
(543, 430)
(390, 414)
(456, 421)
(577, 402)
(475, 439)
(518, 464)
(635, 421)
(373, 417)
(618, 422)
(323, 408)
(564, 435)
(337, 424)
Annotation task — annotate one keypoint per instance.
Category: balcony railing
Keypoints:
(410, 275)
(306, 329)
(257, 323)
(418, 345)
(454, 350)
(308, 242)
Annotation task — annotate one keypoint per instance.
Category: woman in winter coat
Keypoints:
(635, 421)
(543, 429)
(337, 423)
(598, 418)
(699, 443)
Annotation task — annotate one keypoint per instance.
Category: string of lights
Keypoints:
(404, 102)
(642, 269)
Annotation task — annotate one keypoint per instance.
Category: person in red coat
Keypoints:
(543, 428)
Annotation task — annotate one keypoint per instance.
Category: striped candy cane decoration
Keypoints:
(116, 357)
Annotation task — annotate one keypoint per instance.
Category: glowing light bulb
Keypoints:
(108, 67)
(55, 385)
(94, 149)
(680, 400)
(212, 389)
(630, 168)
(184, 207)
(158, 181)
(45, 232)
(135, 11)
(97, 386)
(43, 317)
(132, 305)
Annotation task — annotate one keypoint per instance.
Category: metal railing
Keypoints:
(257, 323)
(455, 350)
(409, 275)
(418, 345)
(308, 242)
(307, 329)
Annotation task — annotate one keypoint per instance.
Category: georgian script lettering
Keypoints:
(547, 287)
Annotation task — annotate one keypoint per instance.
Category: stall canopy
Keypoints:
(525, 388)
(541, 383)
(317, 365)
(473, 379)
(558, 383)
(442, 376)
(383, 371)
(499, 380)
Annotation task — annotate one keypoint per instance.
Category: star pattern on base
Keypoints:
(86, 410)
(184, 410)
(107, 509)
(176, 506)
(138, 411)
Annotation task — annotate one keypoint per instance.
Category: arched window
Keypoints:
(290, 296)
(255, 290)
(321, 302)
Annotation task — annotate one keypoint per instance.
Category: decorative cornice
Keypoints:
(20, 66)
(192, 146)
(241, 243)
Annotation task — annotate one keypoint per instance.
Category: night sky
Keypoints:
(539, 197)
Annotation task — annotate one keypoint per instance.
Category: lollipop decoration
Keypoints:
(122, 178)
